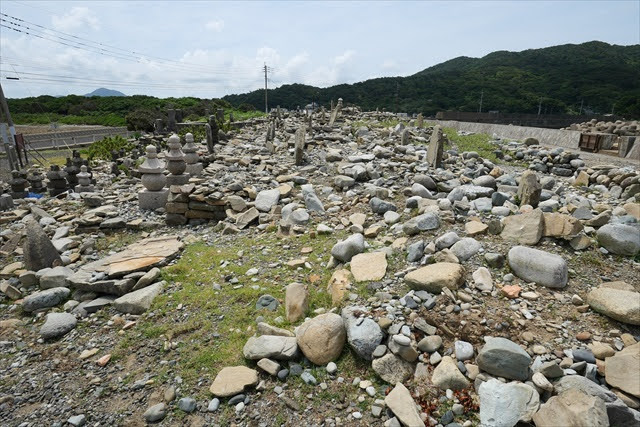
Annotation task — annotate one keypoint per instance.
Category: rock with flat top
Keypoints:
(435, 277)
(137, 302)
(369, 266)
(233, 380)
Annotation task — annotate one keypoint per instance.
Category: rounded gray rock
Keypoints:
(345, 250)
(58, 324)
(504, 358)
(538, 266)
(620, 239)
(44, 299)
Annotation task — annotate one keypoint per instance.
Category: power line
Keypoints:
(106, 49)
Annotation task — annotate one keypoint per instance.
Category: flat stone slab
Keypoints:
(369, 266)
(233, 380)
(141, 255)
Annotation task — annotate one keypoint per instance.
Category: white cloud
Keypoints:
(77, 17)
(215, 25)
(345, 57)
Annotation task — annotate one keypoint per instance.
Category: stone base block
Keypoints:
(153, 200)
(19, 194)
(195, 169)
(178, 179)
(55, 191)
(84, 189)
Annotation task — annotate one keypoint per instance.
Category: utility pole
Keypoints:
(11, 143)
(581, 104)
(481, 97)
(266, 108)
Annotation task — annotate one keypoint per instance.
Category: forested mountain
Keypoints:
(601, 77)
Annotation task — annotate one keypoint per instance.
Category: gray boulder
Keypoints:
(504, 358)
(420, 223)
(137, 302)
(363, 334)
(57, 324)
(311, 200)
(465, 248)
(619, 414)
(620, 239)
(38, 250)
(270, 347)
(345, 250)
(45, 299)
(266, 199)
(380, 206)
(55, 277)
(538, 266)
(504, 405)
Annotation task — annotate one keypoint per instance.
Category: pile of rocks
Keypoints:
(462, 260)
(619, 127)
(194, 205)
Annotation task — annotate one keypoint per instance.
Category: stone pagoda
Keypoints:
(154, 195)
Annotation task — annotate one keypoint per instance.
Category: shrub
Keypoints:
(102, 149)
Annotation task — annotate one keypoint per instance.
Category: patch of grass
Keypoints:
(478, 142)
(211, 330)
(590, 259)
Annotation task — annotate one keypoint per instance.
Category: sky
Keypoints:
(211, 49)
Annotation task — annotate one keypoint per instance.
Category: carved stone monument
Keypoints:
(84, 181)
(154, 195)
(57, 183)
(194, 167)
(18, 184)
(35, 181)
(175, 162)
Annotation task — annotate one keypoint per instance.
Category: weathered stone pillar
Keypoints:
(299, 145)
(171, 120)
(434, 153)
(335, 112)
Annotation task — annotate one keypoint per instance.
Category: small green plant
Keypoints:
(478, 142)
(198, 133)
(102, 149)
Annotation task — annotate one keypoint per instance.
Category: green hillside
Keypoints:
(601, 76)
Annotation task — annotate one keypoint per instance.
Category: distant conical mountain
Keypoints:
(105, 92)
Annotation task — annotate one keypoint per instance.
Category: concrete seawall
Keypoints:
(563, 138)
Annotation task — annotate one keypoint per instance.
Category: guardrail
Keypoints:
(54, 140)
